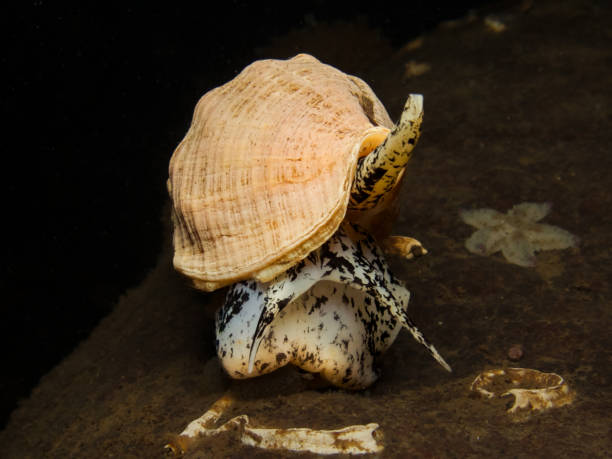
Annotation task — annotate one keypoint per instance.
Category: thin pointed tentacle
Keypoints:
(399, 294)
(418, 336)
(350, 257)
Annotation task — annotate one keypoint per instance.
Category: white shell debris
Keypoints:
(549, 390)
(516, 233)
(356, 439)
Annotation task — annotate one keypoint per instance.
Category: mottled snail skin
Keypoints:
(331, 314)
(320, 332)
(378, 172)
(373, 202)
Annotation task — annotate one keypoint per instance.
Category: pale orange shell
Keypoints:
(264, 174)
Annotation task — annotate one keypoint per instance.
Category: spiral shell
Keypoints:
(264, 174)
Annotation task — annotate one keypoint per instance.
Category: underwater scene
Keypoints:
(299, 313)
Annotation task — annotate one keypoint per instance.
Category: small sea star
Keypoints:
(515, 233)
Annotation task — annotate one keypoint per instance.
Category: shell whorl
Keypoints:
(264, 174)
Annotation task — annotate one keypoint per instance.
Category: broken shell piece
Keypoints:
(356, 439)
(536, 391)
(494, 24)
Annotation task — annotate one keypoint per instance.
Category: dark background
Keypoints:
(95, 100)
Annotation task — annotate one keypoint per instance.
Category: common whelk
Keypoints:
(285, 187)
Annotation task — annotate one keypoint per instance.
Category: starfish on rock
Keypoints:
(515, 233)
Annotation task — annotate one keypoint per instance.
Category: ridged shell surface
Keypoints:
(264, 173)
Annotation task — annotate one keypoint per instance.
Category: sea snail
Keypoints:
(284, 187)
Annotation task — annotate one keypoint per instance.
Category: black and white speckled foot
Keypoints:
(332, 329)
(332, 313)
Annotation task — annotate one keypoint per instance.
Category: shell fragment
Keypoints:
(536, 391)
(356, 439)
